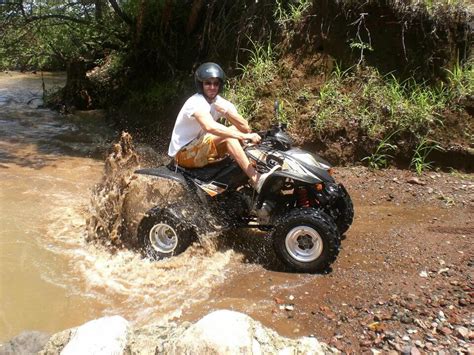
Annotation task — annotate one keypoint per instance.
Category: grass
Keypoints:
(259, 72)
(419, 161)
(381, 157)
(290, 12)
(460, 81)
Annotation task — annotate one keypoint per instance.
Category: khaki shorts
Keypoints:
(198, 153)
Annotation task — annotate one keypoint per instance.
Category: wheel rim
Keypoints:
(304, 244)
(163, 238)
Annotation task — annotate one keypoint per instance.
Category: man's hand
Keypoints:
(253, 138)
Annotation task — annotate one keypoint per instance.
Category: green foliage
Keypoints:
(156, 96)
(381, 157)
(284, 107)
(259, 71)
(48, 34)
(422, 151)
(378, 103)
(331, 105)
(261, 67)
(290, 12)
(460, 81)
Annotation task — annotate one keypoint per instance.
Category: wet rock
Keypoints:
(28, 342)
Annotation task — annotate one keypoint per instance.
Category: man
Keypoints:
(198, 139)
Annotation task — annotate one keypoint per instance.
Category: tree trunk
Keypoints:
(76, 91)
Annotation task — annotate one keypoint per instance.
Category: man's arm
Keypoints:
(234, 117)
(207, 123)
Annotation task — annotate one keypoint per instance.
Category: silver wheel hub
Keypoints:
(163, 238)
(304, 244)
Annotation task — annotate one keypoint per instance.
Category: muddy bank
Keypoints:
(404, 38)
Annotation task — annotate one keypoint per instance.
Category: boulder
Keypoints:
(27, 342)
(220, 332)
(229, 332)
(106, 335)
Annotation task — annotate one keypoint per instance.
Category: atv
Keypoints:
(301, 205)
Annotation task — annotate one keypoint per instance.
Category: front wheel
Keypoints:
(306, 240)
(164, 233)
(345, 212)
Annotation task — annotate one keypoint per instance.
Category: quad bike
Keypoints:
(301, 205)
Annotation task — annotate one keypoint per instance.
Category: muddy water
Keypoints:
(51, 278)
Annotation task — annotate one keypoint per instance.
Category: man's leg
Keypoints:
(233, 147)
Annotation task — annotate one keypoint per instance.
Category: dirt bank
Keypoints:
(403, 279)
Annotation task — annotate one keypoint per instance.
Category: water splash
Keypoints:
(123, 198)
(108, 259)
(106, 220)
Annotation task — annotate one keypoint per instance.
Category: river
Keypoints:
(50, 277)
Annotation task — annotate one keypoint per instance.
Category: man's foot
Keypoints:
(263, 177)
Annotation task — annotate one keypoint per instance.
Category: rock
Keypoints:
(229, 332)
(462, 332)
(446, 331)
(415, 181)
(107, 335)
(27, 342)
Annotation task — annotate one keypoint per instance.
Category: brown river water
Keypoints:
(51, 278)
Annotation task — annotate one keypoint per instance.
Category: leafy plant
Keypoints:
(460, 81)
(293, 13)
(422, 151)
(258, 72)
(381, 157)
(261, 66)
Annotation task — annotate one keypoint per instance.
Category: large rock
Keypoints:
(106, 335)
(229, 332)
(28, 342)
(220, 332)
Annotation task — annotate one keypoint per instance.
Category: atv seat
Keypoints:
(206, 173)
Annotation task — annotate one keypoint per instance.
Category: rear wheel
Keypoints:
(164, 233)
(306, 240)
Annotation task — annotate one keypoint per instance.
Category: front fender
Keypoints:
(283, 175)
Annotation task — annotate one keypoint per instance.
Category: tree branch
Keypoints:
(127, 19)
(60, 17)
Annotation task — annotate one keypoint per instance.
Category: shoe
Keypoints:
(263, 177)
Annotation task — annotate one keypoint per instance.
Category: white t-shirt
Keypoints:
(187, 127)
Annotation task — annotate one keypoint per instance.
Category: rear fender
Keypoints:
(165, 173)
